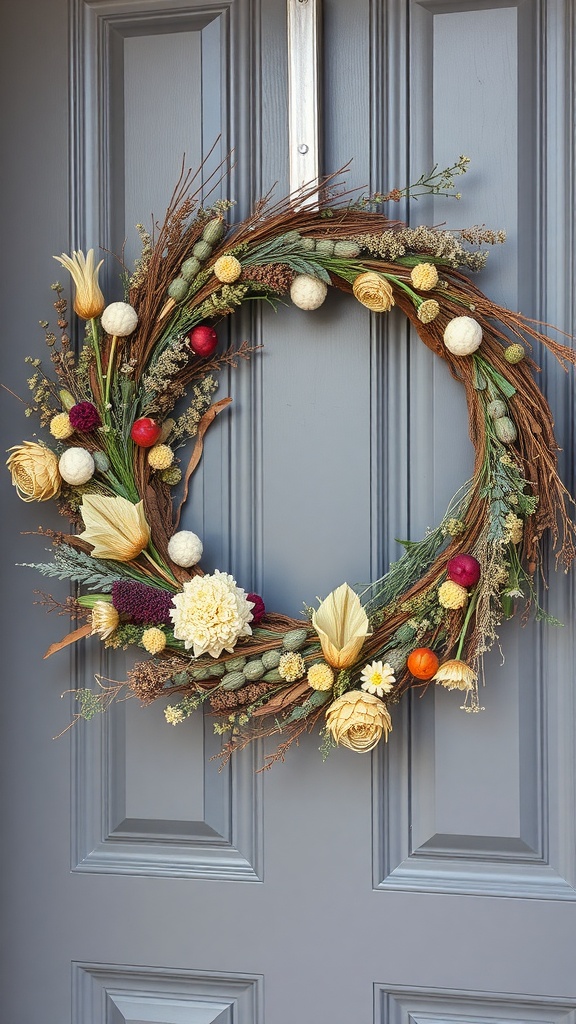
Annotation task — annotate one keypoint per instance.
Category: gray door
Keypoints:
(434, 880)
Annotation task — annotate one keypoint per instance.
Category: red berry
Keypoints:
(463, 569)
(145, 432)
(203, 340)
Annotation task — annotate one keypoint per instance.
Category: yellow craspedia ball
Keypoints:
(153, 640)
(60, 426)
(160, 456)
(428, 311)
(452, 595)
(320, 676)
(227, 269)
(424, 276)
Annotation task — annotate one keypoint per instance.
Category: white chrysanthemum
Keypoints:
(211, 614)
(378, 678)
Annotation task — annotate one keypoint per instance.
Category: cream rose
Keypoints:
(373, 291)
(358, 720)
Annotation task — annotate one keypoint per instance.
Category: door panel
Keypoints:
(435, 880)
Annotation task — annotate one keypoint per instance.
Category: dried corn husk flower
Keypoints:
(160, 456)
(452, 595)
(373, 291)
(321, 676)
(308, 292)
(227, 269)
(342, 626)
(358, 720)
(378, 678)
(34, 471)
(119, 319)
(428, 311)
(115, 527)
(60, 426)
(89, 300)
(291, 666)
(455, 675)
(105, 619)
(153, 640)
(76, 466)
(424, 277)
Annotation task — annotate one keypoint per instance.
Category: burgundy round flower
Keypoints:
(143, 604)
(463, 569)
(84, 416)
(259, 609)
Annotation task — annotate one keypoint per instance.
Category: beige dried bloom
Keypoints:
(455, 675)
(428, 311)
(320, 676)
(35, 472)
(105, 619)
(424, 276)
(115, 527)
(89, 300)
(342, 626)
(358, 720)
(374, 292)
(452, 595)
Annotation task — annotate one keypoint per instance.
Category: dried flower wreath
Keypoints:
(112, 466)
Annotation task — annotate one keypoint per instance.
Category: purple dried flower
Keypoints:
(143, 604)
(84, 416)
(259, 609)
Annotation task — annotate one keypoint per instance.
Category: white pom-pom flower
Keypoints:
(308, 292)
(119, 319)
(211, 614)
(462, 335)
(185, 548)
(76, 466)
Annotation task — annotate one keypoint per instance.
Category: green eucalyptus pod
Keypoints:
(273, 676)
(213, 230)
(202, 672)
(289, 237)
(396, 658)
(325, 247)
(67, 399)
(308, 244)
(271, 659)
(505, 430)
(101, 462)
(178, 289)
(346, 249)
(295, 639)
(254, 670)
(190, 268)
(202, 250)
(497, 409)
(233, 681)
(235, 664)
(217, 669)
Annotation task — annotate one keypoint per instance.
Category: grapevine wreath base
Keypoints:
(141, 387)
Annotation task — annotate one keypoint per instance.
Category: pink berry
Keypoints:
(203, 340)
(145, 432)
(463, 569)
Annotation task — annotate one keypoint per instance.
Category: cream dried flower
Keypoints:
(358, 720)
(321, 676)
(173, 715)
(308, 292)
(119, 319)
(76, 466)
(115, 527)
(463, 335)
(378, 678)
(342, 626)
(89, 300)
(60, 426)
(291, 666)
(211, 614)
(105, 619)
(373, 291)
(424, 276)
(452, 595)
(455, 675)
(514, 528)
(153, 640)
(34, 470)
(185, 548)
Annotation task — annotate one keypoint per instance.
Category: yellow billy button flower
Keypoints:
(342, 626)
(374, 292)
(452, 595)
(153, 640)
(428, 311)
(321, 676)
(358, 720)
(89, 300)
(455, 675)
(115, 527)
(60, 426)
(227, 269)
(424, 276)
(35, 472)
